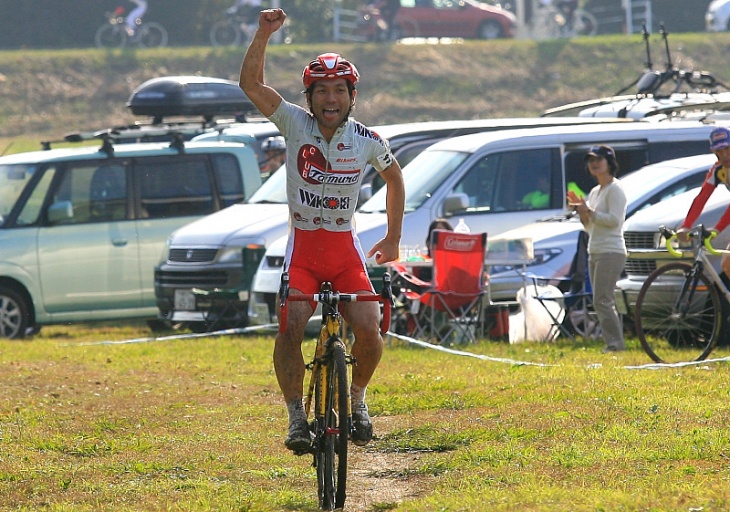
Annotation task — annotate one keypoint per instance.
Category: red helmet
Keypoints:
(329, 66)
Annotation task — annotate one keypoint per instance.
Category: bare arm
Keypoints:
(387, 249)
(252, 82)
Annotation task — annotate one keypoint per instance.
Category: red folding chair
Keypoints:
(450, 308)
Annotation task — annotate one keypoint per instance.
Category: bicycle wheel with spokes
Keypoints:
(110, 36)
(151, 35)
(225, 33)
(332, 431)
(678, 314)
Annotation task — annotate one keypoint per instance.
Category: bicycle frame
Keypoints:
(329, 385)
(701, 257)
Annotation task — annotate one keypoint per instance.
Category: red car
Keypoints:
(467, 19)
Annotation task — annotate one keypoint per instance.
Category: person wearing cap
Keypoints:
(327, 151)
(274, 149)
(603, 214)
(719, 174)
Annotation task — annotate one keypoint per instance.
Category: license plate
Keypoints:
(184, 300)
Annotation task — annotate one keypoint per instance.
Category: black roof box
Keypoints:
(189, 96)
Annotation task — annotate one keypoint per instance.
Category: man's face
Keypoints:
(330, 102)
(723, 156)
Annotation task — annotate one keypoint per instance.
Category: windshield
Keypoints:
(422, 176)
(13, 179)
(273, 190)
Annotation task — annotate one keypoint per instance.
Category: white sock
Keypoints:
(357, 394)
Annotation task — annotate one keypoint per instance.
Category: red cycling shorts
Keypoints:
(320, 255)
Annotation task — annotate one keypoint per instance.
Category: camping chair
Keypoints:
(576, 314)
(450, 307)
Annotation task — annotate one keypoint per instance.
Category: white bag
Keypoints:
(532, 322)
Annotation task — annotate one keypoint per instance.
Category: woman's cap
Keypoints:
(719, 138)
(601, 151)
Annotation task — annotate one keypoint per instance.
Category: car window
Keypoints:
(13, 180)
(630, 157)
(273, 190)
(422, 177)
(660, 151)
(174, 187)
(510, 181)
(229, 179)
(96, 193)
(676, 188)
(30, 214)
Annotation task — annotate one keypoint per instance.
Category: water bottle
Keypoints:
(461, 227)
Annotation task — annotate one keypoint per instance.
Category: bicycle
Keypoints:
(239, 28)
(113, 33)
(555, 22)
(679, 309)
(329, 386)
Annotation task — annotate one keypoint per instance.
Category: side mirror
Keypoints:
(60, 211)
(456, 203)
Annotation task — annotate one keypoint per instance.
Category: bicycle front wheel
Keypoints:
(678, 314)
(333, 433)
(152, 35)
(110, 36)
(225, 33)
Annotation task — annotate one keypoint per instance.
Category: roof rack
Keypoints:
(691, 89)
(108, 137)
(199, 104)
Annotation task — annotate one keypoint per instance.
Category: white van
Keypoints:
(484, 179)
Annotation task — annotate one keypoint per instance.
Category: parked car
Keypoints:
(717, 16)
(483, 178)
(81, 229)
(646, 246)
(555, 238)
(227, 246)
(467, 19)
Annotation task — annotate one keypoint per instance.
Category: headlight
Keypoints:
(231, 255)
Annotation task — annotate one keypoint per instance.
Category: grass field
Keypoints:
(198, 424)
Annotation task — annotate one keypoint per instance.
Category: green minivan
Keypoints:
(81, 229)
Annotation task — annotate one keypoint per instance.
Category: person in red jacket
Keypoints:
(719, 174)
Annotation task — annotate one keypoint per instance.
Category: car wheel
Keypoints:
(14, 314)
(490, 29)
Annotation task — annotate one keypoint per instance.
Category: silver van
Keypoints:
(485, 178)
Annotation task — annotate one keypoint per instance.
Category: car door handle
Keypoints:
(119, 242)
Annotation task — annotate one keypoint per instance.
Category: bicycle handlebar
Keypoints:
(332, 298)
(698, 231)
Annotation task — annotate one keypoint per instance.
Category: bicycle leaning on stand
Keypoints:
(329, 386)
(679, 309)
(113, 33)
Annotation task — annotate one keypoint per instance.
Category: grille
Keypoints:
(192, 255)
(641, 239)
(191, 279)
(640, 267)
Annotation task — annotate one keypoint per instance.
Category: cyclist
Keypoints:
(719, 174)
(275, 150)
(327, 152)
(135, 14)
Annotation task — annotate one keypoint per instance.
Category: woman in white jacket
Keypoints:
(603, 214)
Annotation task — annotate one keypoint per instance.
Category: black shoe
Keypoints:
(362, 428)
(299, 438)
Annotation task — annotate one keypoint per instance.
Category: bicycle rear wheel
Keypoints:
(678, 314)
(152, 35)
(332, 431)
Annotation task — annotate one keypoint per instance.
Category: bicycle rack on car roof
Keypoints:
(200, 102)
(692, 90)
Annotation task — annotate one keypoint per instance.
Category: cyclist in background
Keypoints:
(327, 151)
(137, 13)
(248, 9)
(719, 174)
(275, 150)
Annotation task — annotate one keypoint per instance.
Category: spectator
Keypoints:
(274, 149)
(134, 18)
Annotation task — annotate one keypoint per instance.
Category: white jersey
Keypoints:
(323, 179)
